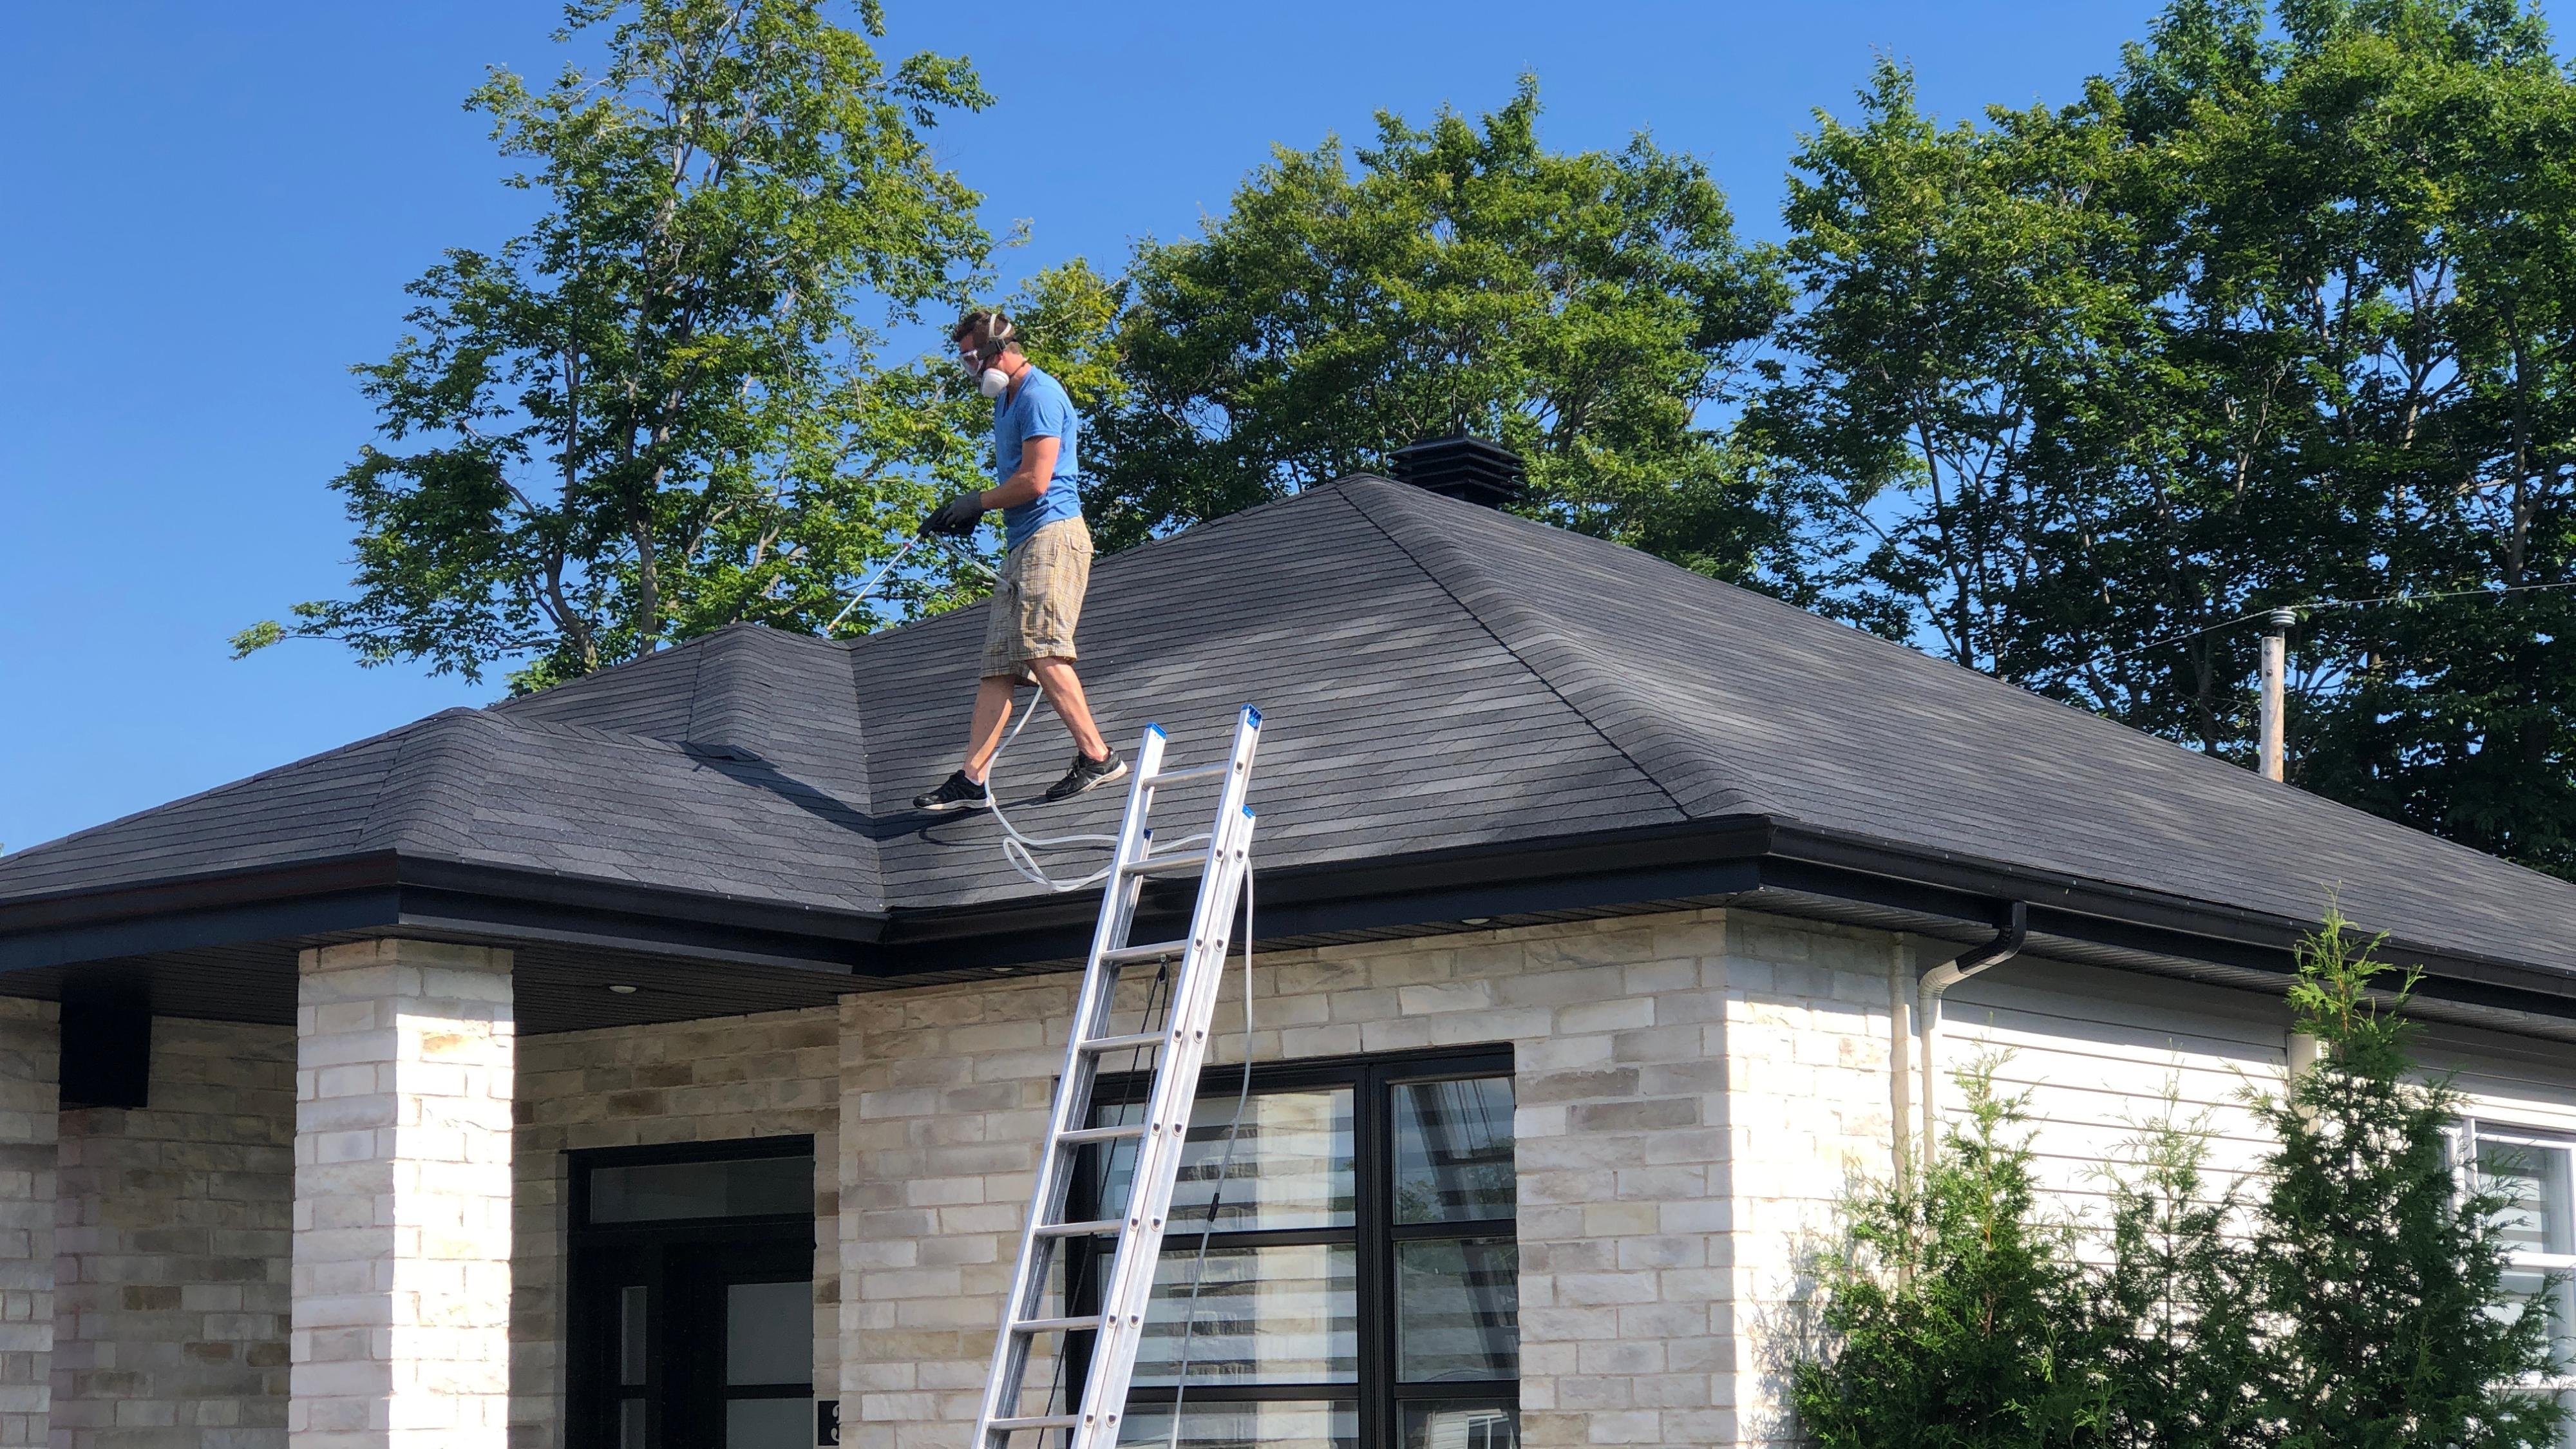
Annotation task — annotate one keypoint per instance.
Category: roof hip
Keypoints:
(1693, 779)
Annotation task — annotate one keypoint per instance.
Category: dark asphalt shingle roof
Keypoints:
(1434, 675)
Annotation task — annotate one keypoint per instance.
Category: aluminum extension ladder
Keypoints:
(1180, 1046)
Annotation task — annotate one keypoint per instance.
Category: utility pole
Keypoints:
(2276, 663)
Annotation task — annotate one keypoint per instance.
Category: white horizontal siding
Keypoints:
(2096, 1052)
(2521, 1081)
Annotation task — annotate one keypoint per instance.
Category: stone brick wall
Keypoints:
(30, 1048)
(171, 1248)
(1807, 1045)
(1691, 1087)
(400, 1270)
(770, 1075)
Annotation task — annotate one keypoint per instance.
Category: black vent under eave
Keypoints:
(1475, 470)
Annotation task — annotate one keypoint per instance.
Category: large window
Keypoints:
(2531, 1172)
(1360, 1283)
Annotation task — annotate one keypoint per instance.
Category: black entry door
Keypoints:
(692, 1332)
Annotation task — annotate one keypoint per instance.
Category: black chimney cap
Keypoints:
(1474, 470)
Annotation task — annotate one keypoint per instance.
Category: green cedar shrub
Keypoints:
(2377, 1270)
(1955, 1309)
(2355, 1302)
(2174, 1310)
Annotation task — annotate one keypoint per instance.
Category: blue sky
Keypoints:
(214, 210)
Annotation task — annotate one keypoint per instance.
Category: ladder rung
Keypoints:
(1148, 952)
(1056, 1325)
(1183, 777)
(1043, 1421)
(1091, 1229)
(1101, 1045)
(1102, 1134)
(1163, 863)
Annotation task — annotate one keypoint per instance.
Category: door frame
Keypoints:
(601, 1257)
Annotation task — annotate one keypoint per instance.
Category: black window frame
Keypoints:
(1373, 1233)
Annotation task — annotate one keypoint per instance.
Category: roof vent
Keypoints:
(1473, 470)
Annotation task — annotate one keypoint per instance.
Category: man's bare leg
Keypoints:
(1063, 689)
(992, 711)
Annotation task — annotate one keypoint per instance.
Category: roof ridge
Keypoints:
(431, 785)
(1548, 651)
(580, 685)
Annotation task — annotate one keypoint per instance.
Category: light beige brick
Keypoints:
(142, 1336)
(399, 1335)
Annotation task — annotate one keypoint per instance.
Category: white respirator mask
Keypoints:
(993, 335)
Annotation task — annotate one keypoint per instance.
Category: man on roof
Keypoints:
(1038, 596)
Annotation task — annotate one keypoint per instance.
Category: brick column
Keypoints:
(401, 1281)
(30, 1048)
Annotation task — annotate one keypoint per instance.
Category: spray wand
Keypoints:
(880, 576)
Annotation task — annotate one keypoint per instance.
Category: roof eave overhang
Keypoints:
(1761, 861)
(388, 891)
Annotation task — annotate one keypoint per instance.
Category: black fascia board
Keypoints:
(1466, 874)
(382, 890)
(2071, 907)
(325, 914)
(1939, 892)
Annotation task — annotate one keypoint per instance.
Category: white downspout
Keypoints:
(1927, 1013)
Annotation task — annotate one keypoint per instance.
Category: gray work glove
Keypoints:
(957, 517)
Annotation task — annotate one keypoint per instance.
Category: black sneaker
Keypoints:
(955, 793)
(1085, 774)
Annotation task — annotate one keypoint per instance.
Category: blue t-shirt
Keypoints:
(1038, 408)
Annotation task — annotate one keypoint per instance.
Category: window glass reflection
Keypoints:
(769, 1424)
(631, 1331)
(2532, 1180)
(1277, 1314)
(1457, 1309)
(663, 1191)
(1289, 1424)
(1457, 1424)
(1291, 1165)
(769, 1333)
(1453, 1150)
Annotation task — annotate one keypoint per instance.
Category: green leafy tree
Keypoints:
(2277, 313)
(1953, 1311)
(1961, 295)
(1586, 309)
(2378, 1270)
(2355, 217)
(660, 410)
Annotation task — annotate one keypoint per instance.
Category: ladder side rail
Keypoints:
(1054, 1178)
(1128, 1289)
(1038, 1249)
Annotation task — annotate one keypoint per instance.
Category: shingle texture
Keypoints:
(1434, 674)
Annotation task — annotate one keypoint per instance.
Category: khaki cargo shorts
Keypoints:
(1038, 599)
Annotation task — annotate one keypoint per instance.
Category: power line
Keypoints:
(2317, 605)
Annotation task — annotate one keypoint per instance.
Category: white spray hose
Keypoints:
(1021, 850)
